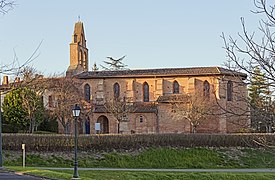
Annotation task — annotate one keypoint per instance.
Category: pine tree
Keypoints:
(114, 64)
(262, 117)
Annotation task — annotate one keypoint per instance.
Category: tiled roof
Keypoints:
(145, 108)
(160, 72)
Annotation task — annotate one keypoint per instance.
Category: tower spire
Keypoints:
(78, 50)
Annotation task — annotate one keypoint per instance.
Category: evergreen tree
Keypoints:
(114, 64)
(262, 117)
(13, 112)
(23, 109)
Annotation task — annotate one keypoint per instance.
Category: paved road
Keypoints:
(166, 170)
(14, 176)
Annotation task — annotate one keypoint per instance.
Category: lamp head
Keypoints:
(76, 110)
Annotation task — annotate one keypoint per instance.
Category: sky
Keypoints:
(151, 33)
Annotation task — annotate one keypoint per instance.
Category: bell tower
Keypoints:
(78, 51)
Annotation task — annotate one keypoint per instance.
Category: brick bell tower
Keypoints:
(78, 51)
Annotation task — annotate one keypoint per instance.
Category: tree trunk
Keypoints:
(118, 127)
(193, 128)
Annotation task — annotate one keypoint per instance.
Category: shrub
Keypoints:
(57, 142)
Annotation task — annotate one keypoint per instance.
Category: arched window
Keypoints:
(85, 60)
(176, 87)
(75, 38)
(206, 89)
(229, 90)
(82, 39)
(87, 92)
(116, 90)
(50, 103)
(145, 92)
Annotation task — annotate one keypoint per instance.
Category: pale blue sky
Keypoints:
(151, 33)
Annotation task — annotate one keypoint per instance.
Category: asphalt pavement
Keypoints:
(14, 176)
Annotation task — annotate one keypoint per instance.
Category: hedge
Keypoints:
(45, 142)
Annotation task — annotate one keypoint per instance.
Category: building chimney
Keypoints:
(17, 80)
(5, 80)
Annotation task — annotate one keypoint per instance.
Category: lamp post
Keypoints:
(76, 112)
(1, 154)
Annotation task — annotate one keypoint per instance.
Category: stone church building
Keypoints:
(151, 95)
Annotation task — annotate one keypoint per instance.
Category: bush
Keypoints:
(57, 142)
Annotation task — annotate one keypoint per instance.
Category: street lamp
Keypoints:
(76, 112)
(1, 151)
(1, 154)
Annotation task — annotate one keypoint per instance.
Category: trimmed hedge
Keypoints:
(36, 142)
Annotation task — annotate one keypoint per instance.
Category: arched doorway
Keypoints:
(87, 126)
(104, 124)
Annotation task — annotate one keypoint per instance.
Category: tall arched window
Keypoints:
(116, 90)
(206, 89)
(87, 92)
(75, 38)
(176, 87)
(145, 92)
(80, 56)
(229, 90)
(85, 60)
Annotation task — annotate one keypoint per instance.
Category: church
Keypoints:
(145, 100)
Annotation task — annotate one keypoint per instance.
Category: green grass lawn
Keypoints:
(101, 175)
(153, 158)
(150, 158)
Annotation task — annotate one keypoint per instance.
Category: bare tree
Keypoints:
(193, 107)
(32, 104)
(120, 109)
(6, 6)
(65, 92)
(255, 54)
(251, 52)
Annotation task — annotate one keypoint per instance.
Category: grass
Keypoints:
(121, 175)
(153, 158)
(167, 158)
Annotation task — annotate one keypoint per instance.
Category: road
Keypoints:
(13, 176)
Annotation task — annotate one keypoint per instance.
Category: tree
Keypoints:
(250, 53)
(114, 64)
(256, 54)
(260, 103)
(14, 113)
(33, 105)
(23, 107)
(120, 109)
(6, 5)
(66, 94)
(193, 107)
